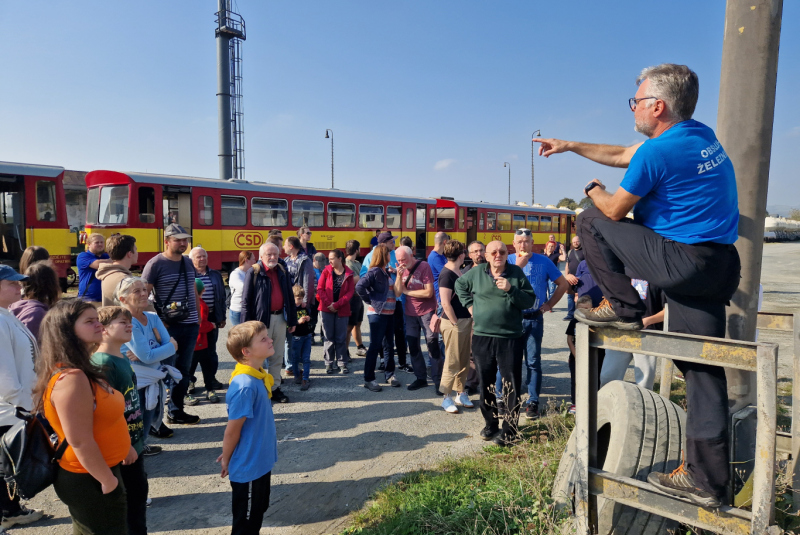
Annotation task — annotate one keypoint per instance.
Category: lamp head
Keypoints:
(505, 164)
(537, 133)
(326, 134)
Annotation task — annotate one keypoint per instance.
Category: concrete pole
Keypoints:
(225, 124)
(744, 127)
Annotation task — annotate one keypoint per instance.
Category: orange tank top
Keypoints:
(108, 427)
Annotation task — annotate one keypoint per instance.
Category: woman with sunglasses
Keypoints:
(304, 234)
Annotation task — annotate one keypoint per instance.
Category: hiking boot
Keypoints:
(23, 516)
(603, 315)
(373, 386)
(180, 417)
(305, 386)
(361, 351)
(149, 451)
(212, 396)
(449, 406)
(681, 483)
(190, 400)
(417, 384)
(163, 432)
(216, 385)
(192, 388)
(489, 432)
(279, 397)
(532, 411)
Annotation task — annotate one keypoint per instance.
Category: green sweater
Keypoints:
(495, 312)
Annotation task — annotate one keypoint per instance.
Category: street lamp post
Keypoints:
(506, 164)
(326, 137)
(533, 189)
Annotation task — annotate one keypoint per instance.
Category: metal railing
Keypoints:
(593, 481)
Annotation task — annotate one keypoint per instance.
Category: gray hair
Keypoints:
(263, 249)
(406, 249)
(677, 85)
(198, 248)
(125, 287)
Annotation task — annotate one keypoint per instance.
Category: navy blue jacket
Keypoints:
(374, 287)
(220, 299)
(257, 295)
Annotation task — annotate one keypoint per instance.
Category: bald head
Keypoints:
(497, 255)
(439, 240)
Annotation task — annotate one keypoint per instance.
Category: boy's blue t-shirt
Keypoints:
(257, 450)
(538, 271)
(687, 186)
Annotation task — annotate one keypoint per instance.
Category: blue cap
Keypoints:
(7, 273)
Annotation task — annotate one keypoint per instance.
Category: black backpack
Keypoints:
(28, 455)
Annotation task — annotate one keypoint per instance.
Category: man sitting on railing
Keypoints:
(682, 188)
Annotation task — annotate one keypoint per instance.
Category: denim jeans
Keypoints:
(301, 352)
(570, 306)
(381, 332)
(236, 317)
(149, 416)
(415, 325)
(532, 331)
(186, 336)
(288, 359)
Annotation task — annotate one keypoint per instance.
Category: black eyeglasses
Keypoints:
(521, 231)
(632, 102)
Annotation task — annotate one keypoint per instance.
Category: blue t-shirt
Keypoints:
(437, 262)
(586, 284)
(95, 291)
(687, 186)
(539, 270)
(257, 450)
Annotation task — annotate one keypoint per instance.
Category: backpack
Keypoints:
(28, 456)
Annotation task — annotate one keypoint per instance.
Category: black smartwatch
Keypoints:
(589, 187)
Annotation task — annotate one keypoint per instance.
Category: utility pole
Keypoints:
(535, 134)
(328, 130)
(506, 164)
(230, 26)
(744, 127)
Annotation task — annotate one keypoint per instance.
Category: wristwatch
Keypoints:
(590, 186)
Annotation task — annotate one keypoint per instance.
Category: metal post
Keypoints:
(744, 127)
(506, 164)
(331, 136)
(585, 429)
(795, 465)
(225, 125)
(764, 469)
(667, 366)
(533, 189)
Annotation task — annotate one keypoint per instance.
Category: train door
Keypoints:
(12, 219)
(472, 225)
(421, 242)
(177, 206)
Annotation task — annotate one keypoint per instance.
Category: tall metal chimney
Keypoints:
(230, 26)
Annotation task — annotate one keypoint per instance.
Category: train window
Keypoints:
(147, 205)
(45, 200)
(461, 218)
(234, 211)
(92, 204)
(519, 221)
(394, 216)
(446, 218)
(341, 215)
(491, 221)
(480, 222)
(205, 209)
(269, 212)
(556, 225)
(544, 225)
(113, 205)
(370, 216)
(503, 221)
(431, 218)
(533, 223)
(307, 214)
(409, 218)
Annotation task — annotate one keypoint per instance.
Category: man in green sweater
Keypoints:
(496, 293)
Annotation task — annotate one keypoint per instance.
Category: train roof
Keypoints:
(512, 208)
(28, 169)
(241, 185)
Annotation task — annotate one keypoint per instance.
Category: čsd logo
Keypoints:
(247, 239)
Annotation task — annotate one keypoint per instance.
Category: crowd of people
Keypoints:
(103, 367)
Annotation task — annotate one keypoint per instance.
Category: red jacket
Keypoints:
(205, 326)
(325, 291)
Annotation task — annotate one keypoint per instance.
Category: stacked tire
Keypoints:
(638, 432)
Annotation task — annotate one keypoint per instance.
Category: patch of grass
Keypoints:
(500, 490)
(677, 393)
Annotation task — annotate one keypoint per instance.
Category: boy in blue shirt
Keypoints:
(250, 445)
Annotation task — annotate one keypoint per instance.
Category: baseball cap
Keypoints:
(176, 231)
(385, 236)
(7, 273)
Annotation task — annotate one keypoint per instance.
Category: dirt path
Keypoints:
(338, 442)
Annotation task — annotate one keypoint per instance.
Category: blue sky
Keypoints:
(425, 98)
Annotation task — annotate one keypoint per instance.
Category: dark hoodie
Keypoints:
(31, 313)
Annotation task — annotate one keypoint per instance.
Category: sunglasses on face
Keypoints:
(523, 232)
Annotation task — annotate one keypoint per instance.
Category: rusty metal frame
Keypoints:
(591, 482)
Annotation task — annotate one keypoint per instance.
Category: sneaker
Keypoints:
(290, 373)
(681, 483)
(393, 382)
(298, 379)
(336, 368)
(329, 369)
(532, 411)
(212, 396)
(190, 400)
(372, 386)
(216, 385)
(571, 409)
(503, 440)
(463, 400)
(417, 384)
(489, 432)
(149, 451)
(23, 516)
(345, 369)
(192, 389)
(449, 406)
(604, 316)
(305, 386)
(180, 417)
(163, 432)
(428, 372)
(149, 502)
(406, 368)
(279, 397)
(361, 351)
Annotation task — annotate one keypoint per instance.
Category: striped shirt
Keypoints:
(208, 290)
(162, 273)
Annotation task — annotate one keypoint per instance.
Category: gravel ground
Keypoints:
(338, 442)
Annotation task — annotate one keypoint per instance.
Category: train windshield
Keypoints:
(107, 205)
